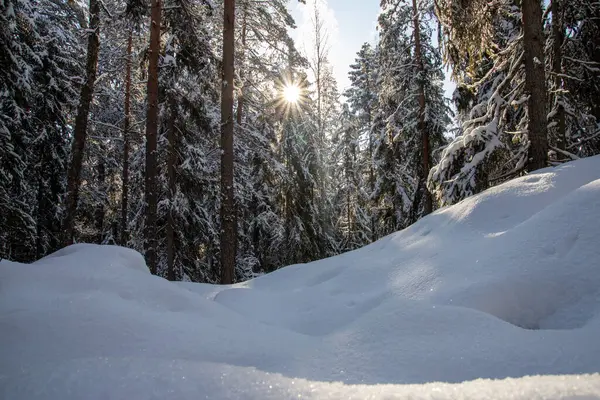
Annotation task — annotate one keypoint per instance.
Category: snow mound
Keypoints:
(95, 256)
(505, 284)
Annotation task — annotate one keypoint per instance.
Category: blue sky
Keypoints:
(350, 23)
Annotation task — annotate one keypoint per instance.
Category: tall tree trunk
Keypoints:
(240, 107)
(41, 206)
(150, 241)
(348, 211)
(126, 143)
(558, 36)
(535, 83)
(172, 184)
(319, 55)
(228, 220)
(371, 170)
(319, 116)
(317, 191)
(427, 203)
(596, 58)
(355, 190)
(81, 122)
(99, 213)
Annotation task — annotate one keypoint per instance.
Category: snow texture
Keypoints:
(502, 290)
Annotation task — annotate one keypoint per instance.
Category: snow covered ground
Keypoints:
(502, 286)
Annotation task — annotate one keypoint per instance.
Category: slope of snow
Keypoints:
(505, 284)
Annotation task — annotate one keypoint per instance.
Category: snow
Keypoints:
(496, 297)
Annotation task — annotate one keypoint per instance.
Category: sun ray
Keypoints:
(291, 93)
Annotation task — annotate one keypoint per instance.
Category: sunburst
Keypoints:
(292, 95)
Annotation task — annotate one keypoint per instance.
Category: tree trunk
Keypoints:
(558, 35)
(99, 217)
(41, 206)
(414, 209)
(348, 210)
(172, 184)
(126, 141)
(596, 58)
(371, 170)
(228, 220)
(355, 190)
(427, 206)
(150, 241)
(81, 122)
(318, 68)
(240, 107)
(535, 84)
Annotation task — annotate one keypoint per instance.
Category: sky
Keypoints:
(350, 23)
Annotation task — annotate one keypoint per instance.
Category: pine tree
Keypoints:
(187, 118)
(325, 100)
(304, 236)
(535, 83)
(39, 58)
(123, 234)
(351, 200)
(228, 218)
(151, 186)
(412, 114)
(17, 59)
(260, 226)
(558, 109)
(484, 46)
(362, 99)
(51, 110)
(81, 122)
(580, 91)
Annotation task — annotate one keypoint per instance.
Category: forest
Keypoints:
(196, 132)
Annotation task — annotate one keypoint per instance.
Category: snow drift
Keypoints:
(505, 284)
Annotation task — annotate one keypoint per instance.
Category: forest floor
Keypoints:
(495, 297)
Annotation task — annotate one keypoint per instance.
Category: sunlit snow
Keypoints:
(505, 284)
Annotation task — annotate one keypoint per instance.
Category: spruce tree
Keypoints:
(412, 114)
(39, 60)
(81, 122)
(484, 46)
(362, 99)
